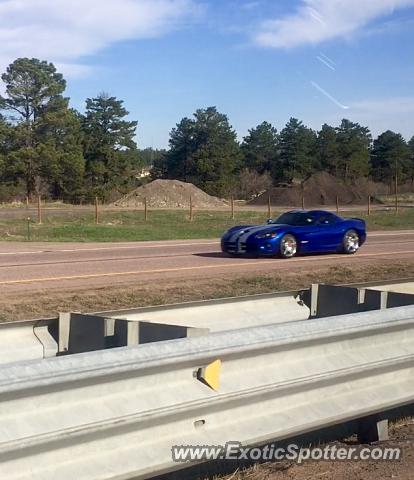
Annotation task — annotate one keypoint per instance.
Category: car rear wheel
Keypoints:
(288, 246)
(350, 242)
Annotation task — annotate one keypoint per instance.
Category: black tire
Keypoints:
(288, 246)
(350, 242)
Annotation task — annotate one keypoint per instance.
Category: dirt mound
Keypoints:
(169, 194)
(322, 189)
(363, 187)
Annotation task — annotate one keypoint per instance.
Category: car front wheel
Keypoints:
(350, 242)
(288, 246)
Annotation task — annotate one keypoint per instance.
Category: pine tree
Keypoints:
(106, 133)
(42, 126)
(204, 151)
(327, 148)
(391, 155)
(353, 142)
(260, 149)
(297, 150)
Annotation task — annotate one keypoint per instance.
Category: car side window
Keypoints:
(306, 219)
(326, 220)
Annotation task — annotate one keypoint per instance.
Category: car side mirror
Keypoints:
(269, 221)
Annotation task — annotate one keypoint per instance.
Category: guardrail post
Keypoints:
(232, 207)
(269, 207)
(337, 204)
(371, 429)
(369, 205)
(303, 202)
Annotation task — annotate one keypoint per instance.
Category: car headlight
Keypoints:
(261, 236)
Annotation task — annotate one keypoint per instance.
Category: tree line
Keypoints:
(204, 150)
(48, 148)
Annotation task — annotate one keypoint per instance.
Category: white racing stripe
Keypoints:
(247, 234)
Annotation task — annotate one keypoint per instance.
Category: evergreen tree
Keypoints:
(327, 149)
(5, 145)
(179, 159)
(46, 142)
(353, 142)
(411, 149)
(297, 150)
(391, 155)
(260, 148)
(204, 151)
(106, 133)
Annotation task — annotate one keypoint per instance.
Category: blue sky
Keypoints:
(318, 60)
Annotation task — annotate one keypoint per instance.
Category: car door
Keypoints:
(329, 236)
(309, 233)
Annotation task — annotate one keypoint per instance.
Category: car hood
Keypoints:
(255, 229)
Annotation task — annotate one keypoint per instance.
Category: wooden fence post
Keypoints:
(39, 210)
(303, 202)
(96, 211)
(29, 234)
(145, 209)
(337, 204)
(232, 207)
(269, 207)
(191, 208)
(369, 205)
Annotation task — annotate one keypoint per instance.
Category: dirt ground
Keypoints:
(45, 303)
(401, 435)
(323, 189)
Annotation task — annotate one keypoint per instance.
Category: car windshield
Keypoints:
(296, 219)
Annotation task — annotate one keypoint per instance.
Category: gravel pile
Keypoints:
(169, 194)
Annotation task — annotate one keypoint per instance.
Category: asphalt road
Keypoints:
(26, 267)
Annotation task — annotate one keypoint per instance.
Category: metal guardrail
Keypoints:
(115, 414)
(82, 332)
(77, 332)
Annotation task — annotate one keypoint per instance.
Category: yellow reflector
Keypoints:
(210, 375)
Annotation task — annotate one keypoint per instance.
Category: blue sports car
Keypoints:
(297, 232)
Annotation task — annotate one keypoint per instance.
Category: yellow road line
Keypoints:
(197, 267)
(114, 247)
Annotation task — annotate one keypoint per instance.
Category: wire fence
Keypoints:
(38, 210)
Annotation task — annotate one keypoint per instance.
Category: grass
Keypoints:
(126, 226)
(161, 225)
(46, 303)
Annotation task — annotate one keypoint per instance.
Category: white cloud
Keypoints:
(316, 21)
(65, 31)
(251, 5)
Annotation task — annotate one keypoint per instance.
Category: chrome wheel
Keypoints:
(288, 246)
(351, 241)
